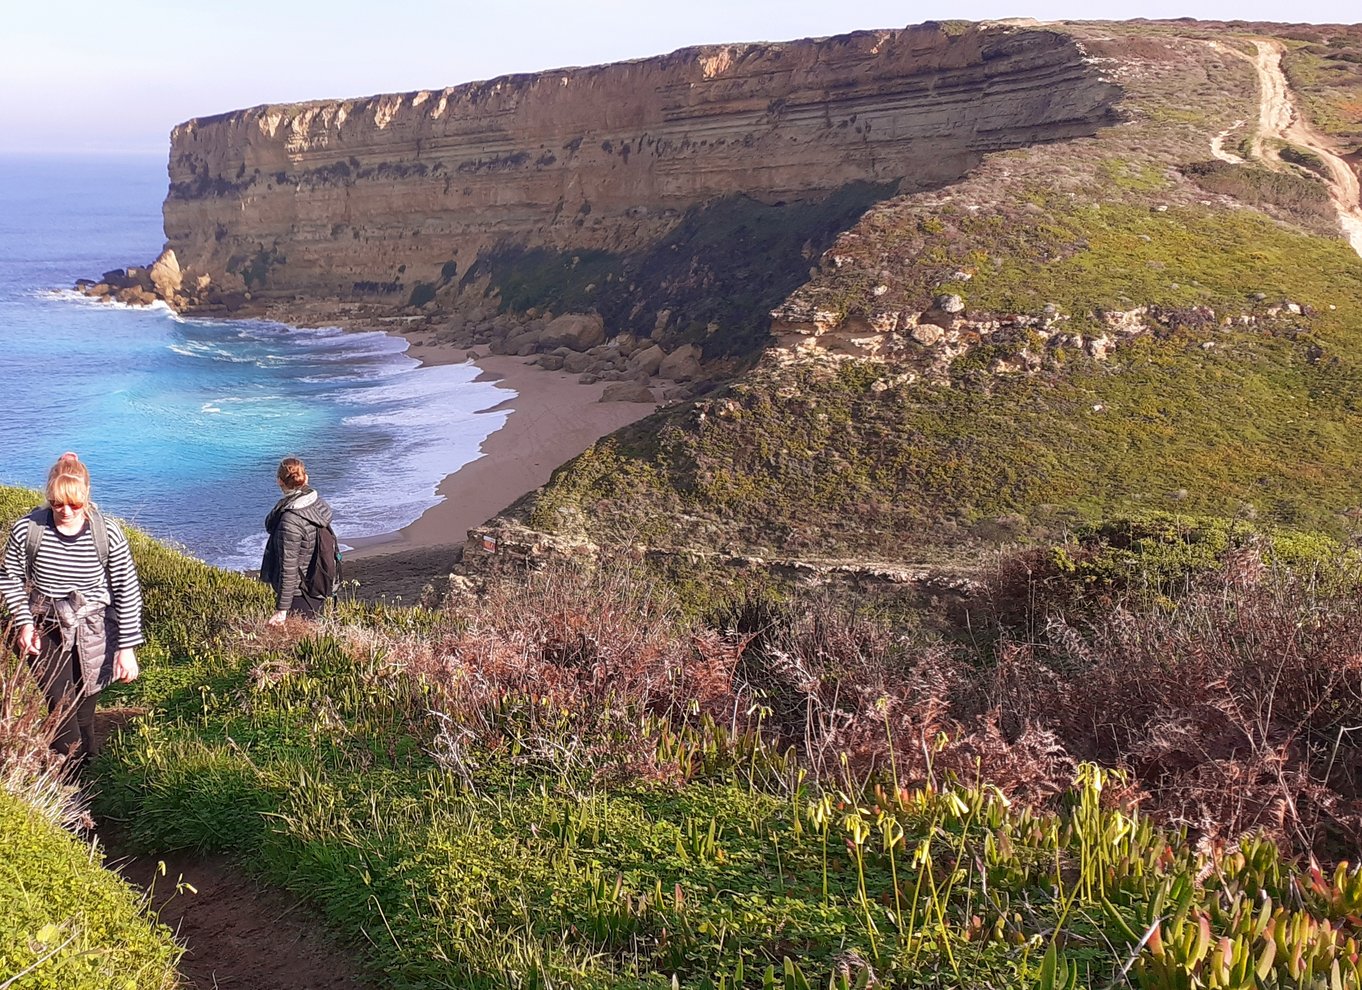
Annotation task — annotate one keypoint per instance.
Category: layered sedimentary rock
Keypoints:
(634, 188)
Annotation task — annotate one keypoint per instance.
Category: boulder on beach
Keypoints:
(627, 392)
(682, 364)
(648, 360)
(579, 331)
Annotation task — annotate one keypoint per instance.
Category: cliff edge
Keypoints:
(686, 191)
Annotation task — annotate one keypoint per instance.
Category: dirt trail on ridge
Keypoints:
(237, 933)
(1278, 118)
(1218, 144)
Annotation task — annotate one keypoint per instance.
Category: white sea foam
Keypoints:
(379, 430)
(159, 306)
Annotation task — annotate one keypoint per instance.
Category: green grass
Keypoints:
(67, 923)
(1195, 416)
(516, 877)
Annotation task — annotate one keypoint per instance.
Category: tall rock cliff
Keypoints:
(692, 187)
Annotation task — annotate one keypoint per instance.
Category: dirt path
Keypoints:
(237, 934)
(1218, 144)
(1278, 118)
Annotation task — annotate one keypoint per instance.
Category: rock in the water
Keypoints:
(165, 275)
(140, 277)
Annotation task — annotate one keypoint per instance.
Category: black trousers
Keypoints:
(63, 685)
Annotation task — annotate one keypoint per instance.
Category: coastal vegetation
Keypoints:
(568, 779)
(1199, 355)
(68, 924)
(1322, 63)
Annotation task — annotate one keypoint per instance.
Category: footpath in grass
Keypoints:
(583, 795)
(565, 782)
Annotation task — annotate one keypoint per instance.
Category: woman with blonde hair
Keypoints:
(294, 525)
(69, 583)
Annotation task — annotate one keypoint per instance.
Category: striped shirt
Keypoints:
(71, 563)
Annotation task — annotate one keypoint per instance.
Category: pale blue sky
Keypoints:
(82, 76)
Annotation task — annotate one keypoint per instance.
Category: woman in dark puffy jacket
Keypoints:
(292, 525)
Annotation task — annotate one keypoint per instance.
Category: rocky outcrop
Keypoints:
(506, 544)
(684, 192)
(939, 343)
(166, 276)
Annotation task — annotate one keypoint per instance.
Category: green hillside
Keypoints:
(566, 781)
(1145, 329)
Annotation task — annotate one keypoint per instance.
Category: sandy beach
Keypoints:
(553, 418)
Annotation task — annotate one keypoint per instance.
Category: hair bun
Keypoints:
(70, 455)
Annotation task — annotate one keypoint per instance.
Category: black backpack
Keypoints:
(324, 570)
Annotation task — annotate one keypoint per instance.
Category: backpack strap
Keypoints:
(99, 529)
(41, 518)
(38, 521)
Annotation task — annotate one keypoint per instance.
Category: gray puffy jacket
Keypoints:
(292, 525)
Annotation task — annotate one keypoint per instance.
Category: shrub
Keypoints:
(522, 853)
(1305, 158)
(578, 656)
(1259, 186)
(67, 923)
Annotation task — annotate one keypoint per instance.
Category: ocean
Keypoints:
(183, 421)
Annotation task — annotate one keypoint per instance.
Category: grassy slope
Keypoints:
(75, 924)
(1325, 64)
(1252, 419)
(534, 792)
(503, 845)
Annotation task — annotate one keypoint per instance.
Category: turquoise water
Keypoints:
(182, 422)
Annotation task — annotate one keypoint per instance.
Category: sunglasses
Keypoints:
(73, 506)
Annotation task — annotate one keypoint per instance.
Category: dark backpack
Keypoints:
(324, 569)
